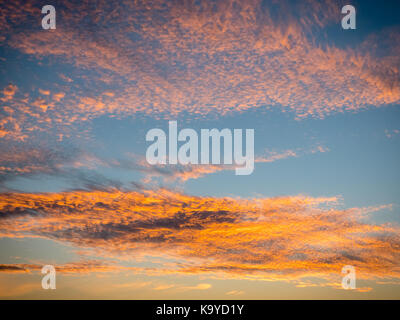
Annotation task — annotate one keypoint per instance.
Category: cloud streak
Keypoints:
(82, 267)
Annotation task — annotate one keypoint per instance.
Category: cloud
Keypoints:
(76, 167)
(391, 133)
(202, 57)
(164, 287)
(235, 293)
(27, 117)
(12, 268)
(172, 173)
(283, 238)
(272, 155)
(44, 92)
(8, 92)
(81, 168)
(200, 286)
(81, 267)
(22, 160)
(133, 285)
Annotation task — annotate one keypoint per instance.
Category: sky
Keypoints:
(77, 192)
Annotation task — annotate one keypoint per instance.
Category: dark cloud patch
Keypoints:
(11, 268)
(10, 212)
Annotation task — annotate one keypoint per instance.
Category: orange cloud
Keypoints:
(81, 267)
(274, 156)
(226, 57)
(284, 238)
(26, 116)
(44, 92)
(8, 92)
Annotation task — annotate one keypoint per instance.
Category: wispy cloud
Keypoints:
(82, 267)
(391, 133)
(235, 293)
(172, 173)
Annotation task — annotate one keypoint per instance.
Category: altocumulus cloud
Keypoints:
(168, 57)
